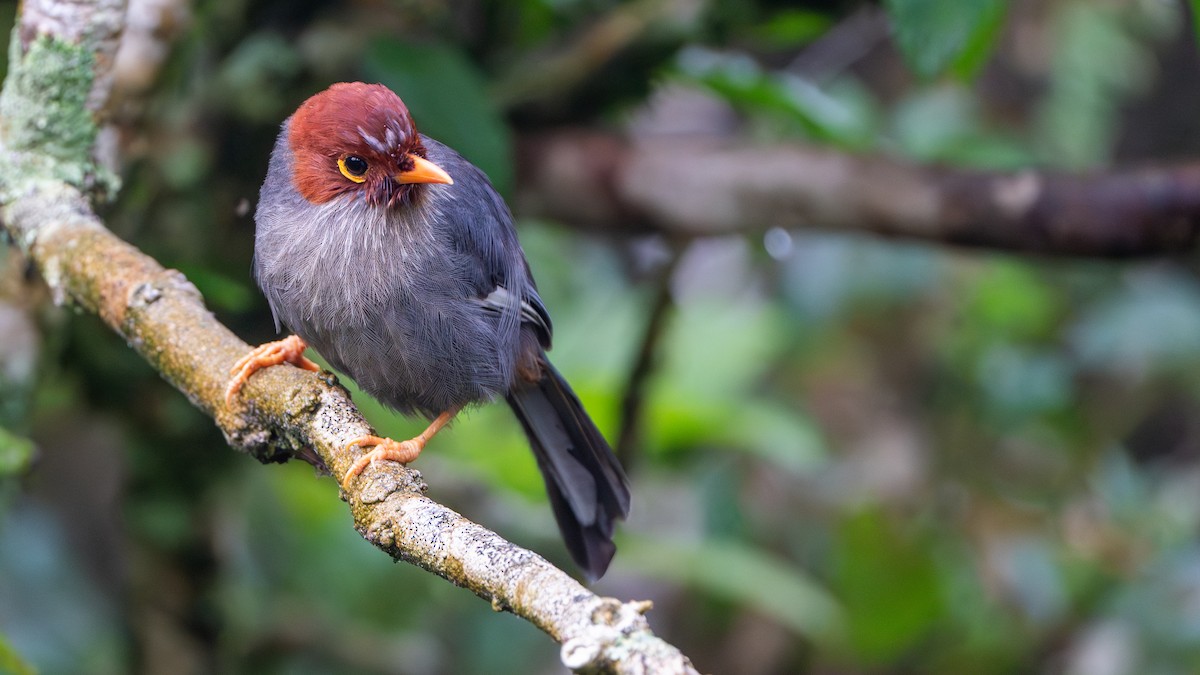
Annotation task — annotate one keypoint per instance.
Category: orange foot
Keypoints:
(397, 451)
(288, 350)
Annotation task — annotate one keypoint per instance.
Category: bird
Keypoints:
(396, 260)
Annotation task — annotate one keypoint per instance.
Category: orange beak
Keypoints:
(424, 171)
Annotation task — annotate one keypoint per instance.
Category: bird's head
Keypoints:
(358, 140)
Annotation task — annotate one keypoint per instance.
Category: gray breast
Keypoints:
(382, 294)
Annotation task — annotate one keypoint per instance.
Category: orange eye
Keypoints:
(353, 167)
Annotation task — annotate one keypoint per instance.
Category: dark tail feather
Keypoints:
(586, 485)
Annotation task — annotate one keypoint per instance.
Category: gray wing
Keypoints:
(500, 278)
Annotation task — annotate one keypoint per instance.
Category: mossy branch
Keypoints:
(51, 109)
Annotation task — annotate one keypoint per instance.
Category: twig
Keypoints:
(842, 45)
(52, 101)
(633, 402)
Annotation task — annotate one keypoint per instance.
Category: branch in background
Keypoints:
(695, 187)
(57, 83)
(151, 27)
(633, 402)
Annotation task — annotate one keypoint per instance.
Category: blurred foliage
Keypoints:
(954, 35)
(857, 456)
(16, 454)
(11, 662)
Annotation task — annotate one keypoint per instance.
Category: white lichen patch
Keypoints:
(1015, 195)
(46, 128)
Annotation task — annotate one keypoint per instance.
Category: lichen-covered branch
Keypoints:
(52, 106)
(696, 187)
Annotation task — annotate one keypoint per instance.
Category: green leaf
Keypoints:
(789, 28)
(219, 290)
(1010, 300)
(11, 662)
(15, 453)
(1152, 324)
(744, 575)
(945, 124)
(888, 583)
(1195, 6)
(841, 112)
(690, 407)
(251, 81)
(446, 95)
(940, 35)
(1099, 61)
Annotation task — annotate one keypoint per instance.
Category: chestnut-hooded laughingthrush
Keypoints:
(396, 260)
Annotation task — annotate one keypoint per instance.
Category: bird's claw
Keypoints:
(385, 449)
(288, 350)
